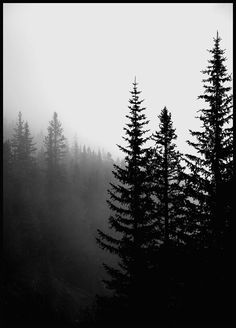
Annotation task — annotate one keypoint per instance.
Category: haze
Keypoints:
(80, 61)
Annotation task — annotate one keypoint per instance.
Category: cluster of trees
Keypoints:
(54, 200)
(169, 231)
(172, 214)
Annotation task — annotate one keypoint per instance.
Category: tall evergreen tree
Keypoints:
(29, 154)
(167, 174)
(55, 187)
(211, 168)
(168, 177)
(22, 183)
(132, 223)
(55, 142)
(208, 187)
(55, 150)
(17, 143)
(23, 149)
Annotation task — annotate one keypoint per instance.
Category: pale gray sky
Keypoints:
(80, 61)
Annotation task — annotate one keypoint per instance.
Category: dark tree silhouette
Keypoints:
(23, 174)
(55, 146)
(168, 175)
(18, 149)
(23, 156)
(55, 191)
(209, 194)
(133, 221)
(211, 168)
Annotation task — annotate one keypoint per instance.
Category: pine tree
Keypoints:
(211, 168)
(209, 196)
(22, 183)
(22, 148)
(55, 187)
(168, 179)
(167, 173)
(17, 143)
(133, 227)
(29, 150)
(55, 141)
(55, 150)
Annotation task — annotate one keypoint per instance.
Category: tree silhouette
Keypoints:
(17, 145)
(211, 168)
(168, 175)
(133, 220)
(209, 210)
(55, 189)
(55, 145)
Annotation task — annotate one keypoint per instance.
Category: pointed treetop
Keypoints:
(135, 82)
(164, 111)
(218, 39)
(20, 117)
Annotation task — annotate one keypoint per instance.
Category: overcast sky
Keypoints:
(80, 61)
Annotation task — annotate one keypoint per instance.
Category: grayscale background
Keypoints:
(80, 61)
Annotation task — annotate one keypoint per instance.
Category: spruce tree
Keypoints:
(29, 154)
(211, 166)
(55, 142)
(208, 182)
(55, 151)
(17, 143)
(55, 188)
(167, 174)
(132, 234)
(168, 180)
(23, 149)
(22, 183)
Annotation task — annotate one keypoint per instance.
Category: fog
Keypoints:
(80, 60)
(100, 236)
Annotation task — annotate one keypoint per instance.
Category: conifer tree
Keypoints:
(132, 223)
(55, 149)
(23, 150)
(17, 143)
(211, 166)
(22, 184)
(55, 141)
(29, 149)
(168, 177)
(208, 181)
(55, 187)
(166, 171)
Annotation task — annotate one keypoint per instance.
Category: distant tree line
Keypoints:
(53, 202)
(169, 233)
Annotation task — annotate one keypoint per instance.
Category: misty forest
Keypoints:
(144, 240)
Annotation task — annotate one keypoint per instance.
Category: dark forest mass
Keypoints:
(142, 241)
